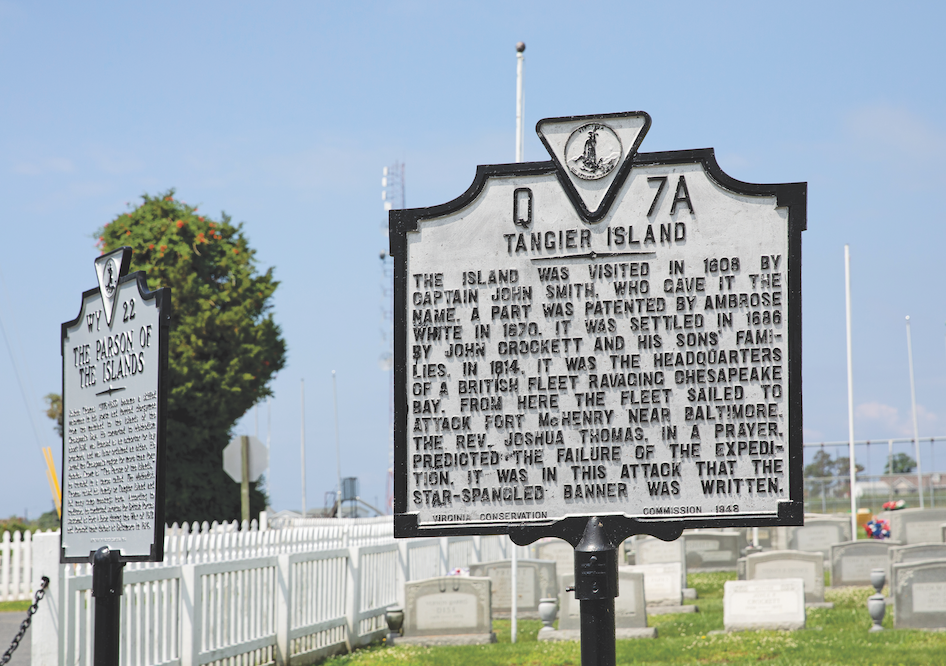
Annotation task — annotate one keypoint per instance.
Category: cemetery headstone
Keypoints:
(535, 579)
(764, 604)
(648, 550)
(919, 592)
(558, 551)
(819, 535)
(920, 551)
(852, 561)
(910, 526)
(448, 610)
(790, 564)
(662, 588)
(741, 568)
(767, 538)
(711, 551)
(630, 610)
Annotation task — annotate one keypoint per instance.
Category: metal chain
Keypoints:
(40, 593)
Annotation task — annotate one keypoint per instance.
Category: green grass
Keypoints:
(8, 606)
(833, 637)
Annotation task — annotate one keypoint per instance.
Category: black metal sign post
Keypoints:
(596, 586)
(107, 580)
(114, 388)
(601, 345)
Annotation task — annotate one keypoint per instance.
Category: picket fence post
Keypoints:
(283, 608)
(352, 597)
(49, 621)
(191, 604)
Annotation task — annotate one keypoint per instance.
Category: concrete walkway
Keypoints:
(9, 625)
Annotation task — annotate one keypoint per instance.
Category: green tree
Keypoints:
(841, 467)
(224, 346)
(817, 473)
(901, 464)
(54, 410)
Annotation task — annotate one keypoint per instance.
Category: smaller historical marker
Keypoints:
(114, 364)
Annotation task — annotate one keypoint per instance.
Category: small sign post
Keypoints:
(245, 459)
(114, 390)
(604, 344)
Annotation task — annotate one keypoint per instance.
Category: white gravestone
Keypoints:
(919, 593)
(916, 552)
(630, 610)
(852, 562)
(910, 526)
(764, 604)
(558, 551)
(712, 551)
(535, 580)
(650, 550)
(662, 588)
(449, 610)
(790, 564)
(819, 535)
(661, 583)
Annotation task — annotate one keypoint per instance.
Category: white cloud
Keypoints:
(891, 423)
(812, 435)
(890, 131)
(42, 167)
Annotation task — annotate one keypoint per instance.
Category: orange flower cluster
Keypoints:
(180, 223)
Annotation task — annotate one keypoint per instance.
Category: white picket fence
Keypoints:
(16, 561)
(226, 596)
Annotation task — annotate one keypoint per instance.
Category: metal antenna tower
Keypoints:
(392, 195)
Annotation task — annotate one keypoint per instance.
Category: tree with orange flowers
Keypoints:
(225, 348)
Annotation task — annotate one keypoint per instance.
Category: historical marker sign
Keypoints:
(114, 363)
(606, 333)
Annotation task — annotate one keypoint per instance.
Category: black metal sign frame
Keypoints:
(791, 196)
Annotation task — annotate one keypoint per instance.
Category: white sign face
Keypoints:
(111, 401)
(555, 365)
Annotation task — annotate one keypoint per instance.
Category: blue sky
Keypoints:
(283, 115)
